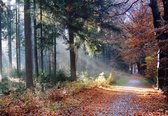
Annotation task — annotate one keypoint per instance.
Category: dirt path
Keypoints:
(132, 99)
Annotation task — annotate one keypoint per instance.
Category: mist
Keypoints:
(92, 65)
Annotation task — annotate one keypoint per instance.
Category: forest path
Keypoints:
(133, 98)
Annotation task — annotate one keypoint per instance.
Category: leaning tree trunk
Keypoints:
(28, 44)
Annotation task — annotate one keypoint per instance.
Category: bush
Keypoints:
(5, 86)
(60, 76)
(151, 69)
(13, 73)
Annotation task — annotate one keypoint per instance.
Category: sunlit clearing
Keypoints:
(138, 90)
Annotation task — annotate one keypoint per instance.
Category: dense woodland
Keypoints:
(45, 44)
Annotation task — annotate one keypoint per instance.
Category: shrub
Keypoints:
(60, 76)
(151, 69)
(111, 78)
(14, 74)
(5, 86)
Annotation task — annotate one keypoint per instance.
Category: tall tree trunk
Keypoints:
(35, 43)
(72, 56)
(49, 62)
(28, 44)
(0, 42)
(164, 49)
(41, 34)
(162, 70)
(17, 39)
(71, 40)
(55, 57)
(9, 36)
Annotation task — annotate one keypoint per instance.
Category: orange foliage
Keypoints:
(141, 40)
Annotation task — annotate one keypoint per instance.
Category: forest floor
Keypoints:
(132, 96)
(136, 98)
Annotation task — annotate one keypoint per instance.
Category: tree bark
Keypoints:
(28, 44)
(72, 56)
(18, 39)
(162, 70)
(9, 36)
(1, 42)
(55, 57)
(165, 5)
(35, 43)
(41, 34)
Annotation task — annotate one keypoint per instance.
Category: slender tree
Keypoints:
(0, 41)
(35, 42)
(41, 38)
(9, 34)
(18, 38)
(55, 57)
(28, 44)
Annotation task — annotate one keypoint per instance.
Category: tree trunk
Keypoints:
(41, 34)
(35, 43)
(17, 39)
(49, 62)
(28, 44)
(163, 45)
(165, 4)
(0, 42)
(9, 36)
(162, 70)
(72, 56)
(55, 57)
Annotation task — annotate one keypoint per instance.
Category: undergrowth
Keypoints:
(36, 102)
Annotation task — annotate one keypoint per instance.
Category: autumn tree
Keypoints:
(141, 42)
(161, 36)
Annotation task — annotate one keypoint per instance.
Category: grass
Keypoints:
(145, 81)
(121, 81)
